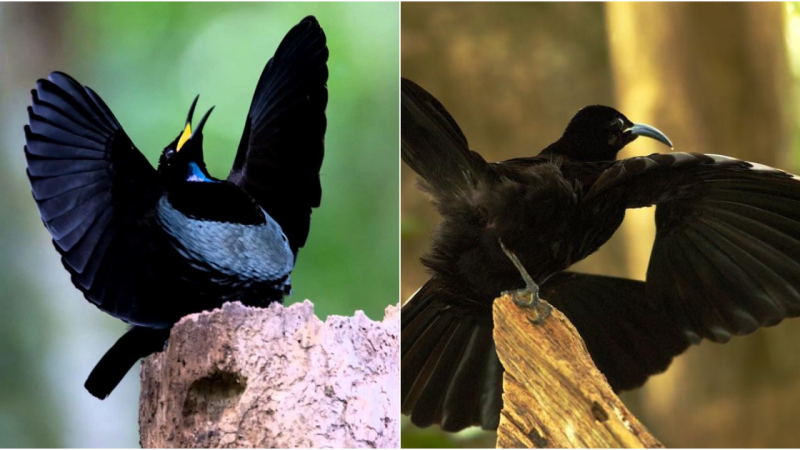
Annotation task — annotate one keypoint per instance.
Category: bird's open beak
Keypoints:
(187, 129)
(640, 129)
(202, 122)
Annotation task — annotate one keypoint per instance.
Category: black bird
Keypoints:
(150, 246)
(726, 258)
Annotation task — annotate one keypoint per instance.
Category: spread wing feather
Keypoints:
(726, 259)
(89, 183)
(282, 147)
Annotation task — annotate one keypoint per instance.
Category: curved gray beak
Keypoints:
(640, 129)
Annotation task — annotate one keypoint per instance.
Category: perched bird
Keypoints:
(150, 246)
(726, 258)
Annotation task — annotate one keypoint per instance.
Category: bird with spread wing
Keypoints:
(725, 262)
(149, 246)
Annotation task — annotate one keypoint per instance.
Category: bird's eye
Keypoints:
(168, 154)
(616, 131)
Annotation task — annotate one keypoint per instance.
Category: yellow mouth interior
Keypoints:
(187, 133)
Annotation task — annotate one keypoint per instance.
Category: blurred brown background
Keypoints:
(716, 78)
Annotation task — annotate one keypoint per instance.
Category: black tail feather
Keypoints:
(450, 374)
(137, 343)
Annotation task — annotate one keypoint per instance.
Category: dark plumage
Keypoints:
(150, 246)
(726, 258)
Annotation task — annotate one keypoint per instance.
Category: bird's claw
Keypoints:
(525, 298)
(528, 298)
(543, 311)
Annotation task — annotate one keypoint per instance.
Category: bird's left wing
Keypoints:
(436, 149)
(726, 259)
(281, 150)
(92, 185)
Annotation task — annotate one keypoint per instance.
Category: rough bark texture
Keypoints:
(274, 377)
(553, 395)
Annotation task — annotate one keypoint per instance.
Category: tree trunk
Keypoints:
(553, 395)
(276, 377)
(715, 78)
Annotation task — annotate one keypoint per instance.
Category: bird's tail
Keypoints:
(450, 372)
(434, 146)
(137, 343)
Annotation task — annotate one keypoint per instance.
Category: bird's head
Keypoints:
(182, 159)
(598, 133)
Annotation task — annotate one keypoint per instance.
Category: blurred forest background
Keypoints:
(716, 78)
(148, 61)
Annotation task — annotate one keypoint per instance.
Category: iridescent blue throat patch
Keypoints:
(195, 174)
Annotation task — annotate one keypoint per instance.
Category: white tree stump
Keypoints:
(274, 377)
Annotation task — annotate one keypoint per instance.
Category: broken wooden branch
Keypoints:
(553, 395)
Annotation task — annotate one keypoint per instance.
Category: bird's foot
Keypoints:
(528, 298)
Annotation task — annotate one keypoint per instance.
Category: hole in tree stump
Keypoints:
(209, 398)
(598, 412)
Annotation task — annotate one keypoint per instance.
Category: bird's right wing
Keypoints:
(282, 147)
(435, 148)
(91, 185)
(726, 258)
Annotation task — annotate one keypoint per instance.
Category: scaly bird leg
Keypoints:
(528, 297)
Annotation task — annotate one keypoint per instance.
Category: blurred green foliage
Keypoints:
(148, 61)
